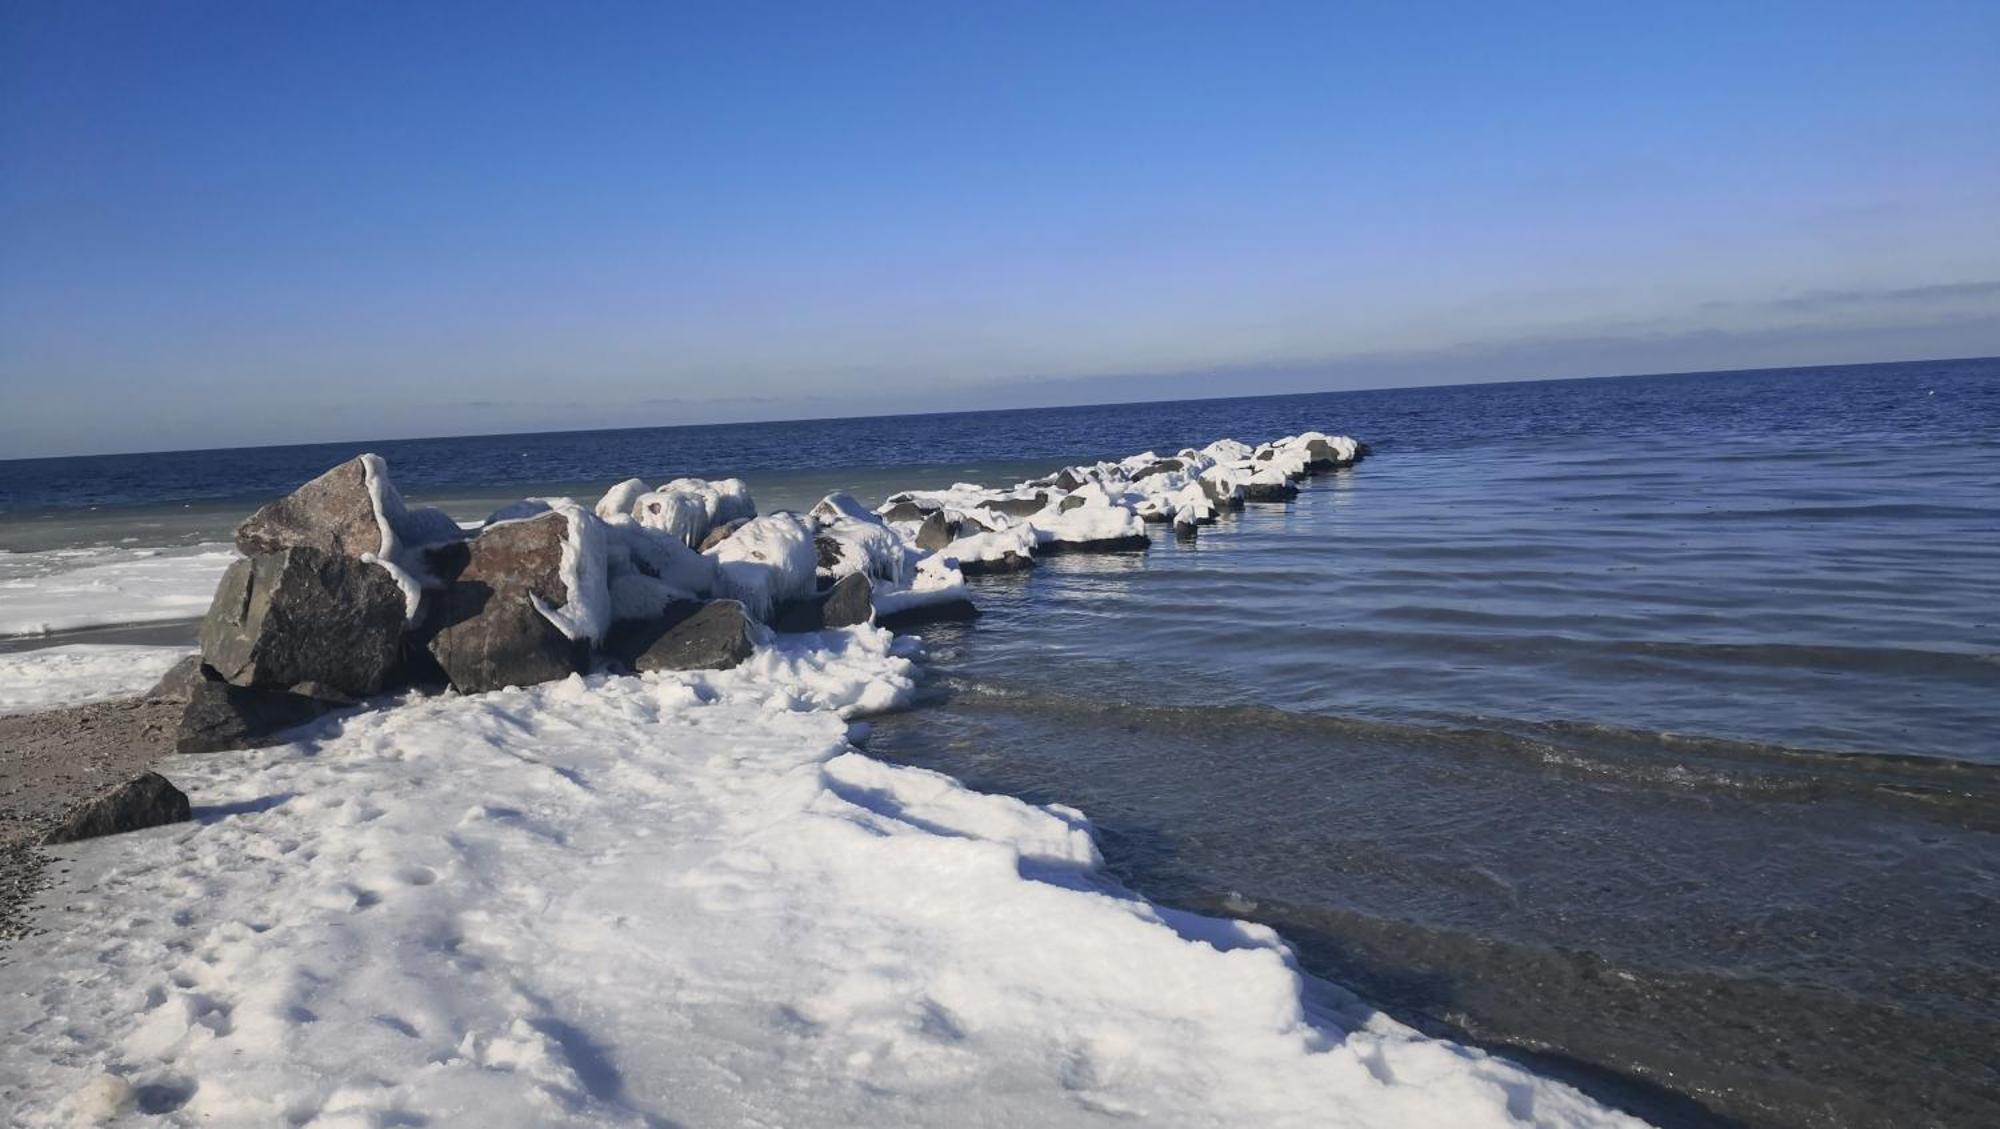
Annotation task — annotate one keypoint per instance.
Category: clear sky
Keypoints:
(264, 222)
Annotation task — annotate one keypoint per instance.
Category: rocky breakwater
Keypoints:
(344, 593)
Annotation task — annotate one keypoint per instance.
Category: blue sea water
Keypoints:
(1647, 726)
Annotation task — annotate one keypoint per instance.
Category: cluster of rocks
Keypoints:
(1106, 506)
(344, 593)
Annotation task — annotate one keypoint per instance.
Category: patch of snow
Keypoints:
(676, 899)
(64, 590)
(54, 677)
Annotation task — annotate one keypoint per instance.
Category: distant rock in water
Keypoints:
(147, 800)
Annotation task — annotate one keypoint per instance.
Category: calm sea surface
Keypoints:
(1648, 728)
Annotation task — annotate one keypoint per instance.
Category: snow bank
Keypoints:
(64, 590)
(53, 677)
(675, 899)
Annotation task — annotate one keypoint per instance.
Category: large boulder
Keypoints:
(334, 512)
(219, 717)
(690, 635)
(307, 621)
(147, 800)
(487, 631)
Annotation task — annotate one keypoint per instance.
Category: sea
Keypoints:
(1644, 729)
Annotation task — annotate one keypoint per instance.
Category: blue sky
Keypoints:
(270, 222)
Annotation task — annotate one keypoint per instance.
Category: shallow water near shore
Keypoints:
(1644, 726)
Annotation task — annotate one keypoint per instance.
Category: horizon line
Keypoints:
(996, 411)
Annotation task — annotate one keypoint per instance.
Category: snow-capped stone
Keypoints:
(767, 562)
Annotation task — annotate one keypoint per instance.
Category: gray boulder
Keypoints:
(146, 800)
(1162, 467)
(486, 632)
(333, 512)
(219, 717)
(307, 621)
(849, 602)
(690, 635)
(936, 532)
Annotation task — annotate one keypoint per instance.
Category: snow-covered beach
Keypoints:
(683, 898)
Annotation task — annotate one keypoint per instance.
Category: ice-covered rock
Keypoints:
(647, 569)
(851, 540)
(767, 562)
(307, 621)
(619, 502)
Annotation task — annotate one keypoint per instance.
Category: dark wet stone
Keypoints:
(1010, 562)
(1269, 492)
(146, 800)
(1133, 543)
(849, 602)
(689, 635)
(944, 611)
